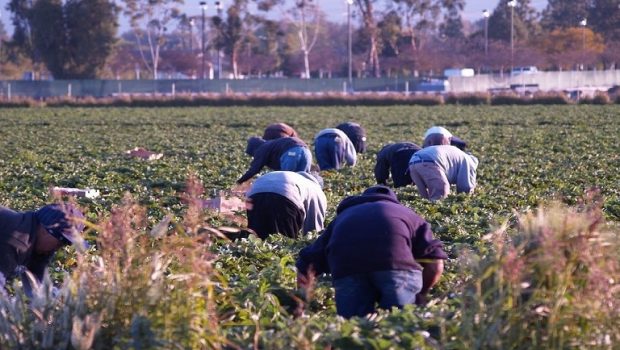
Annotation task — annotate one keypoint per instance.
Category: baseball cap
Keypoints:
(437, 130)
(64, 221)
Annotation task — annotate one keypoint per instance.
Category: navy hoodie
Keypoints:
(371, 232)
(268, 153)
(356, 134)
(393, 158)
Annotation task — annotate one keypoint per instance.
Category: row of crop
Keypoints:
(297, 99)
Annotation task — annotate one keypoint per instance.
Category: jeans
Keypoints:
(296, 159)
(356, 295)
(329, 152)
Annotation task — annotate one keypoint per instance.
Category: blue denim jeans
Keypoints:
(296, 159)
(329, 152)
(357, 295)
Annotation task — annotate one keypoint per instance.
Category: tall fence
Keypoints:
(544, 81)
(105, 88)
(41, 89)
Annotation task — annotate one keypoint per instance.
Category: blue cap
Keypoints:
(63, 221)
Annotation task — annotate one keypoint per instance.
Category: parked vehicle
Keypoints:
(459, 72)
(523, 70)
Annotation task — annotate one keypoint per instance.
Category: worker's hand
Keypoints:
(302, 281)
(421, 299)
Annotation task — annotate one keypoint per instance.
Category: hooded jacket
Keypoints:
(371, 232)
(356, 134)
(18, 232)
(395, 158)
(268, 153)
(348, 148)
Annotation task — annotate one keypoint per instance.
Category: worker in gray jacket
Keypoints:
(333, 148)
(286, 202)
(434, 168)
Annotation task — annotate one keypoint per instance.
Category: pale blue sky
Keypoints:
(335, 9)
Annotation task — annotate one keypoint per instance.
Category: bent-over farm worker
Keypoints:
(438, 135)
(333, 148)
(28, 240)
(378, 252)
(278, 130)
(434, 168)
(286, 202)
(394, 158)
(356, 134)
(286, 153)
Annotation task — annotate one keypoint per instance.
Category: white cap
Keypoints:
(437, 130)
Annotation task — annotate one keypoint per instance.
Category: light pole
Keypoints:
(219, 6)
(512, 4)
(191, 35)
(349, 42)
(486, 14)
(583, 24)
(203, 6)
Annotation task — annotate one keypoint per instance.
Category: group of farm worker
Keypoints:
(378, 251)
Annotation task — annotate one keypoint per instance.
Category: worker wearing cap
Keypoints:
(438, 135)
(28, 240)
(434, 168)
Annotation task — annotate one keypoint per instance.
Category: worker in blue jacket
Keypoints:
(286, 153)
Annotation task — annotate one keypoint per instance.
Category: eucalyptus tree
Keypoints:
(149, 21)
(564, 13)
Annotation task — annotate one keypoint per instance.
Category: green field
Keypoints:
(529, 155)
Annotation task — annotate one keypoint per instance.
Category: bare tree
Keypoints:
(149, 20)
(308, 15)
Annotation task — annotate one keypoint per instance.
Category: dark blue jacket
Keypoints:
(356, 134)
(371, 232)
(395, 158)
(17, 240)
(268, 153)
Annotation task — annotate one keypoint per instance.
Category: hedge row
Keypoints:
(299, 99)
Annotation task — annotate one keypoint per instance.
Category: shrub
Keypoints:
(600, 98)
(468, 99)
(508, 99)
(553, 284)
(552, 98)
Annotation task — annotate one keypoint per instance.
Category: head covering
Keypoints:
(63, 221)
(254, 143)
(379, 189)
(437, 130)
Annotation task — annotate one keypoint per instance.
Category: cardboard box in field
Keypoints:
(226, 202)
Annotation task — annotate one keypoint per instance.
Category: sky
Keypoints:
(335, 9)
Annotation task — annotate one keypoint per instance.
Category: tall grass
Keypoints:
(144, 288)
(552, 284)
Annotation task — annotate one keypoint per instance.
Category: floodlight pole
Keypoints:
(219, 7)
(486, 15)
(203, 6)
(349, 44)
(512, 4)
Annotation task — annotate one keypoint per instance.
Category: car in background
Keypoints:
(523, 70)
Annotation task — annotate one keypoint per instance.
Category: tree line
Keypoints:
(79, 39)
